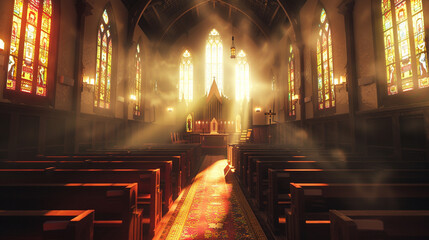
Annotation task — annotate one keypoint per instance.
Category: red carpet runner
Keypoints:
(213, 209)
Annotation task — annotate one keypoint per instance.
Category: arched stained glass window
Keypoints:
(103, 76)
(214, 61)
(325, 66)
(242, 78)
(29, 47)
(138, 83)
(186, 81)
(404, 45)
(291, 83)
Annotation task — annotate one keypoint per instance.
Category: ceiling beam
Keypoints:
(157, 14)
(274, 15)
(229, 12)
(261, 27)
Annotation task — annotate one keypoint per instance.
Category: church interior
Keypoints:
(214, 119)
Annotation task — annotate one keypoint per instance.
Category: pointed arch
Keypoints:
(292, 92)
(137, 86)
(214, 62)
(325, 66)
(242, 78)
(186, 80)
(32, 51)
(106, 44)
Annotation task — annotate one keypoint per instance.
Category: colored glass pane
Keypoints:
(16, 32)
(291, 83)
(326, 94)
(387, 20)
(416, 6)
(32, 15)
(46, 23)
(105, 17)
(34, 2)
(385, 5)
(323, 16)
(47, 7)
(137, 92)
(17, 9)
(401, 11)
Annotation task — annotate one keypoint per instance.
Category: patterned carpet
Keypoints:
(212, 208)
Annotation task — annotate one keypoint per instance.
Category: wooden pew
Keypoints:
(278, 194)
(259, 180)
(166, 175)
(379, 224)
(115, 205)
(311, 203)
(148, 194)
(179, 162)
(177, 173)
(44, 224)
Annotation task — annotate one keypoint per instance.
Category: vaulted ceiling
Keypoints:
(166, 20)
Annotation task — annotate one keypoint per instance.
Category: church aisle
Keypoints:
(212, 209)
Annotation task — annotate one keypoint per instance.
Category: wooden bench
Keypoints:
(44, 224)
(168, 179)
(259, 180)
(177, 174)
(179, 165)
(379, 224)
(279, 184)
(311, 202)
(115, 205)
(148, 180)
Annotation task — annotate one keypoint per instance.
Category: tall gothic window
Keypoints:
(30, 43)
(404, 45)
(214, 61)
(291, 83)
(325, 66)
(242, 79)
(138, 83)
(103, 76)
(186, 82)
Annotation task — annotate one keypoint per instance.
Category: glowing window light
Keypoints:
(403, 73)
(138, 82)
(36, 26)
(186, 80)
(291, 83)
(214, 62)
(1, 45)
(325, 68)
(242, 81)
(103, 77)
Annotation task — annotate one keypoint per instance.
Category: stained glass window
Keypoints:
(242, 78)
(138, 83)
(291, 83)
(405, 60)
(103, 75)
(29, 47)
(186, 81)
(325, 67)
(214, 61)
